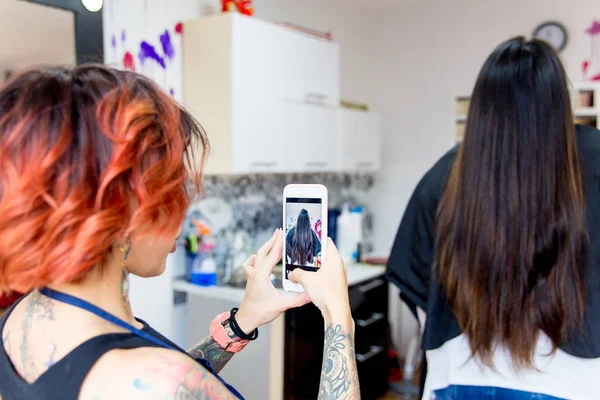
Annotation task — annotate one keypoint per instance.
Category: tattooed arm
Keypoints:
(339, 378)
(210, 350)
(328, 289)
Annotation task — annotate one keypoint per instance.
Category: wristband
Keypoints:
(237, 330)
(220, 336)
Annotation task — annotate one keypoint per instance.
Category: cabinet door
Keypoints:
(309, 138)
(311, 69)
(360, 137)
(257, 87)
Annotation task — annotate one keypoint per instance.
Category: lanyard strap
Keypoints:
(80, 303)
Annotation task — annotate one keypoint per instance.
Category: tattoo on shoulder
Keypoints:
(6, 342)
(39, 307)
(339, 379)
(185, 382)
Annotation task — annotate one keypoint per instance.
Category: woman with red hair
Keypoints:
(94, 172)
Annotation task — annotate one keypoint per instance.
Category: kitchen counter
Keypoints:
(357, 273)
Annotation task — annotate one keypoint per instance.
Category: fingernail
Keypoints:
(275, 231)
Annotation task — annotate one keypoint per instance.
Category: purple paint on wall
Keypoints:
(147, 51)
(594, 29)
(172, 91)
(113, 41)
(167, 45)
(123, 36)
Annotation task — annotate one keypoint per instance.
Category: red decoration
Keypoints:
(179, 28)
(318, 228)
(128, 61)
(244, 7)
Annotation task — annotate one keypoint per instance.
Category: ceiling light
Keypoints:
(92, 5)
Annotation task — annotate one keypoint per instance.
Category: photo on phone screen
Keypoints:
(303, 234)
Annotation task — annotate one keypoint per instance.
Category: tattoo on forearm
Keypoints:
(339, 378)
(38, 308)
(210, 350)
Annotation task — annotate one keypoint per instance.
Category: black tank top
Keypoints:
(63, 380)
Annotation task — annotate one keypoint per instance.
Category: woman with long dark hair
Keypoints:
(498, 248)
(303, 242)
(94, 172)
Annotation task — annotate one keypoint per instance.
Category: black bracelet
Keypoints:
(236, 328)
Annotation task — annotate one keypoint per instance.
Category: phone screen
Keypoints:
(303, 228)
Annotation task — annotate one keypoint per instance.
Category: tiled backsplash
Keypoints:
(253, 203)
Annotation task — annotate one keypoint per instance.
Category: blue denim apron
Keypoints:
(462, 392)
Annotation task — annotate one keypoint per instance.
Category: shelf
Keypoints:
(586, 86)
(586, 112)
(585, 100)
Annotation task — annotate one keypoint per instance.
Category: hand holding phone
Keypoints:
(263, 303)
(328, 287)
(305, 227)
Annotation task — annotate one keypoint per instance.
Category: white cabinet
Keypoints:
(310, 137)
(233, 85)
(257, 84)
(359, 136)
(311, 69)
(253, 86)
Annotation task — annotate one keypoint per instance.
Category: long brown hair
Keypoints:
(510, 225)
(302, 240)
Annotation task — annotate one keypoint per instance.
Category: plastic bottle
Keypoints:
(344, 235)
(204, 267)
(356, 231)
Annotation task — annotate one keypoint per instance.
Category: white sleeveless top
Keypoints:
(560, 374)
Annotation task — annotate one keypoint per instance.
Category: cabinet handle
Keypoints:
(371, 285)
(363, 323)
(316, 164)
(264, 164)
(318, 98)
(366, 164)
(373, 351)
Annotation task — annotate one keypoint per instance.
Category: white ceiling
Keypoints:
(35, 34)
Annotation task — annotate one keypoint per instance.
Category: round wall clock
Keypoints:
(552, 32)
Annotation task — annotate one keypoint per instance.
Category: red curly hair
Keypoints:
(87, 156)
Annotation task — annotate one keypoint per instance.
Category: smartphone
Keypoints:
(305, 228)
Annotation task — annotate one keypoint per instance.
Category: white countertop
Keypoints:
(357, 273)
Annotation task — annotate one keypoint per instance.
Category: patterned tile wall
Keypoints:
(253, 203)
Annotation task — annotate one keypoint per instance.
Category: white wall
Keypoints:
(428, 52)
(32, 34)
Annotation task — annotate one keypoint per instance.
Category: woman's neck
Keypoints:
(106, 287)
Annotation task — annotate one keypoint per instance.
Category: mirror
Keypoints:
(34, 34)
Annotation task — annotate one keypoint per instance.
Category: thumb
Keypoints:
(298, 276)
(297, 300)
(332, 252)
